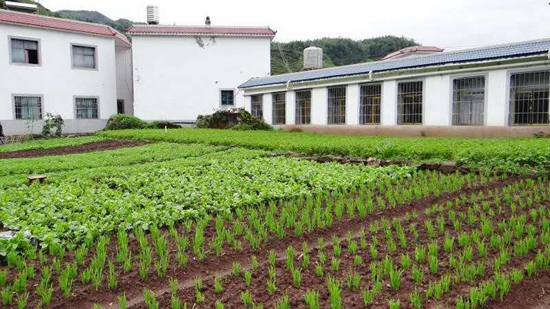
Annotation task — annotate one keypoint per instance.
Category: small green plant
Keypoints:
(312, 299)
(394, 304)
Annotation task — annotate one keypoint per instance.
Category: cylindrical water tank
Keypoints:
(152, 15)
(313, 58)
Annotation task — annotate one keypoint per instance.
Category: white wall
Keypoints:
(389, 103)
(437, 100)
(267, 103)
(124, 79)
(55, 79)
(319, 106)
(290, 108)
(352, 104)
(497, 87)
(177, 79)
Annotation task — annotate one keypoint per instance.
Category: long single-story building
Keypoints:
(81, 71)
(500, 90)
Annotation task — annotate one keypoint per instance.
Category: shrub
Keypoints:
(122, 122)
(162, 125)
(232, 119)
(53, 125)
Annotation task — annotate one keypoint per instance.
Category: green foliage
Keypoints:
(49, 143)
(123, 122)
(53, 126)
(240, 120)
(336, 51)
(508, 154)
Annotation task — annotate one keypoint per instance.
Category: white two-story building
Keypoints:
(181, 72)
(81, 71)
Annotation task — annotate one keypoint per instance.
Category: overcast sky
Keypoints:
(445, 23)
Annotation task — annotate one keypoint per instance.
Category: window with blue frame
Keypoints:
(228, 98)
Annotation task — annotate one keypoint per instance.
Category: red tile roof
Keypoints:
(201, 30)
(38, 21)
(413, 50)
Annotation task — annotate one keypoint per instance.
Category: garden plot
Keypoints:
(215, 248)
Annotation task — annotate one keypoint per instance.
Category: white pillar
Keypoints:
(248, 103)
(496, 87)
(389, 103)
(319, 97)
(437, 101)
(267, 102)
(352, 105)
(290, 107)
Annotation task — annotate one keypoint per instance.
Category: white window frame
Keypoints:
(485, 99)
(234, 97)
(509, 73)
(14, 95)
(397, 82)
(86, 97)
(381, 84)
(96, 58)
(39, 49)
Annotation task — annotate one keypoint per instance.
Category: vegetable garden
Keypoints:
(210, 225)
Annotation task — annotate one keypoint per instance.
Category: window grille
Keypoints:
(279, 108)
(369, 105)
(227, 98)
(409, 103)
(28, 107)
(337, 105)
(24, 51)
(84, 57)
(469, 101)
(87, 108)
(303, 107)
(257, 105)
(529, 93)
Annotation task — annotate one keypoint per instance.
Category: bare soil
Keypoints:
(61, 151)
(532, 293)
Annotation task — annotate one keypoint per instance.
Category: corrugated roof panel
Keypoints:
(470, 55)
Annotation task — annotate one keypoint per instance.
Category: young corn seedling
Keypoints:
(284, 303)
(417, 274)
(271, 286)
(122, 301)
(290, 258)
(335, 293)
(297, 277)
(395, 279)
(150, 299)
(394, 304)
(335, 264)
(219, 304)
(405, 261)
(247, 278)
(7, 296)
(236, 269)
(246, 297)
(353, 280)
(22, 300)
(416, 299)
(218, 285)
(312, 299)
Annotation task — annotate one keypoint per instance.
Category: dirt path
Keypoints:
(61, 151)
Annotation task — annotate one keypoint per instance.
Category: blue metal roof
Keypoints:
(521, 49)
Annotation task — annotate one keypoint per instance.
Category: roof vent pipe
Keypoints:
(152, 15)
(208, 22)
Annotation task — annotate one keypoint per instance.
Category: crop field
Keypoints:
(222, 225)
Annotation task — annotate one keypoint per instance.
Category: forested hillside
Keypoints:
(285, 57)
